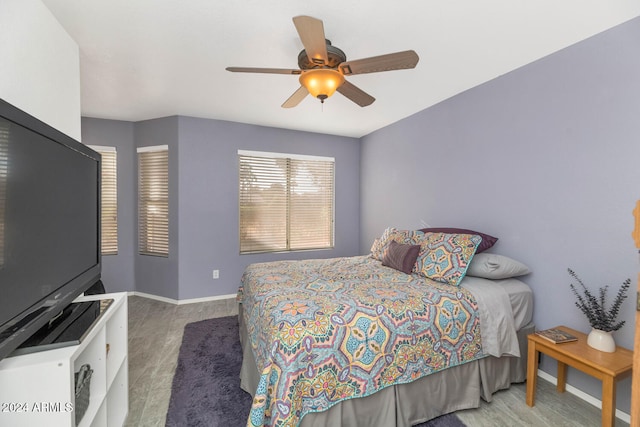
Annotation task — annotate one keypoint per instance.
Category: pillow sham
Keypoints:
(381, 244)
(401, 256)
(375, 247)
(487, 240)
(445, 257)
(494, 266)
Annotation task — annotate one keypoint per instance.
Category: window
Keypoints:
(109, 199)
(153, 201)
(286, 202)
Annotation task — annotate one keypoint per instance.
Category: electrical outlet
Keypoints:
(216, 274)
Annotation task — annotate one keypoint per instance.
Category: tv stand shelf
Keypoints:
(38, 388)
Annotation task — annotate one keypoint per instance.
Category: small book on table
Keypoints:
(556, 335)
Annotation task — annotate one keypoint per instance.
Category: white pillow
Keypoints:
(494, 266)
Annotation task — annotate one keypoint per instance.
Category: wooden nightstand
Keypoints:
(608, 367)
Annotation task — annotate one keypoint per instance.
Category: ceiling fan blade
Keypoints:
(296, 98)
(263, 70)
(356, 94)
(311, 32)
(374, 64)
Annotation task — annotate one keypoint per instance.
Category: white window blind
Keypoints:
(109, 199)
(286, 202)
(153, 201)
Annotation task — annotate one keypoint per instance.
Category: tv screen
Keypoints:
(49, 223)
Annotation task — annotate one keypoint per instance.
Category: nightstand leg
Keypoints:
(532, 372)
(562, 377)
(608, 402)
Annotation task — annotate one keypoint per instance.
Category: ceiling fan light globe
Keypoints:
(321, 83)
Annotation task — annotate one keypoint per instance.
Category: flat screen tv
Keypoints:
(49, 224)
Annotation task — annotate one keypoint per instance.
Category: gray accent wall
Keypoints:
(203, 201)
(545, 158)
(208, 199)
(154, 274)
(118, 271)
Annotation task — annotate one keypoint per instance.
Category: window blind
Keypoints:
(4, 174)
(153, 201)
(109, 199)
(286, 202)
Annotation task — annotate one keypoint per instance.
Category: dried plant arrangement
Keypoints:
(594, 307)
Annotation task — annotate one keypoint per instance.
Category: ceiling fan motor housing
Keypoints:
(335, 57)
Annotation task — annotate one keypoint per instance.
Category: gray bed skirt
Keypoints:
(460, 387)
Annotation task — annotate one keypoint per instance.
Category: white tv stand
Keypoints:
(37, 389)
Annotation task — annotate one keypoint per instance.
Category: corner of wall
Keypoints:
(41, 65)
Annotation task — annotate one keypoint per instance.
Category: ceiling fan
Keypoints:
(324, 66)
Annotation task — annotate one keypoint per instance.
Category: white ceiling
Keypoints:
(144, 59)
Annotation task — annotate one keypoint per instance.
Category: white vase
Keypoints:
(601, 340)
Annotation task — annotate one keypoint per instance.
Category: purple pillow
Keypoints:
(487, 240)
(400, 256)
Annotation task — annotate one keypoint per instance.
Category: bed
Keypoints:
(355, 341)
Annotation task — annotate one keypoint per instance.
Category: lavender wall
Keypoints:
(159, 275)
(545, 158)
(118, 271)
(209, 198)
(203, 201)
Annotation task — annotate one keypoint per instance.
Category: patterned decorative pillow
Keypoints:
(487, 240)
(375, 247)
(400, 256)
(445, 257)
(381, 244)
(413, 237)
(378, 247)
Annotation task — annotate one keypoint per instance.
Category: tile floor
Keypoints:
(155, 335)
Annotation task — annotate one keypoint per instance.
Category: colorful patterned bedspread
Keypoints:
(323, 331)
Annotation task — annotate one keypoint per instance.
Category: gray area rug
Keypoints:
(206, 386)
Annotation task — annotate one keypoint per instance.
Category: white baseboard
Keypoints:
(182, 301)
(584, 396)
